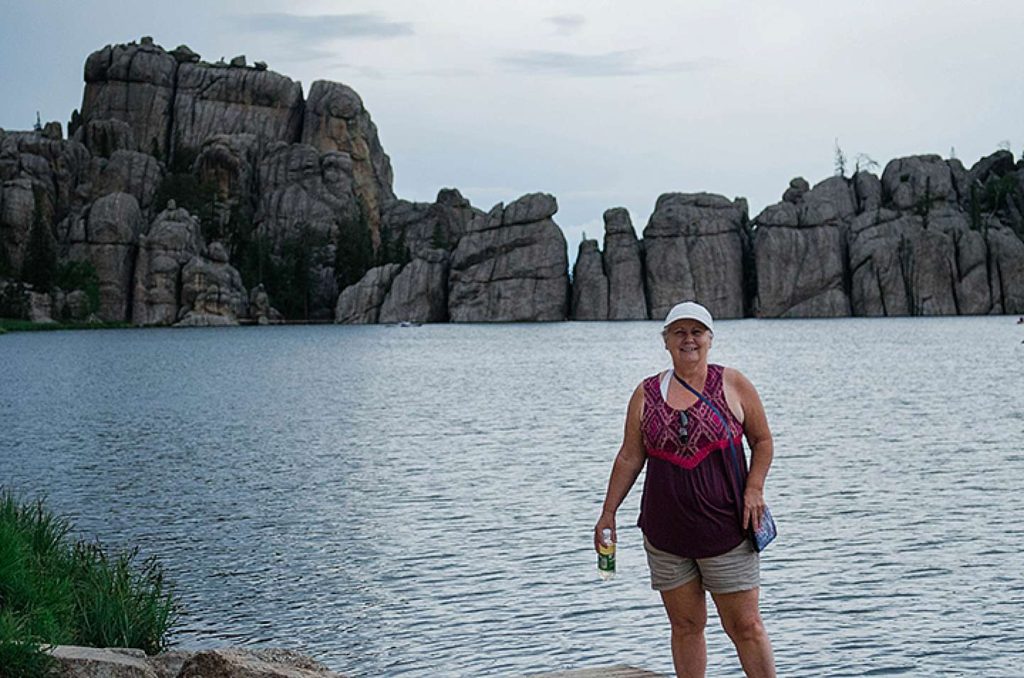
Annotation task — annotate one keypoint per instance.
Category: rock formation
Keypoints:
(204, 193)
(928, 238)
(511, 265)
(229, 662)
(693, 249)
(589, 284)
(623, 263)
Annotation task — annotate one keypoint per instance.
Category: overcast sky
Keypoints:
(600, 103)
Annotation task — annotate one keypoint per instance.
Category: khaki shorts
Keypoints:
(733, 571)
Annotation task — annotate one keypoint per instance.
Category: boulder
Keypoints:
(623, 265)
(359, 304)
(693, 249)
(239, 663)
(336, 120)
(511, 265)
(40, 307)
(211, 291)
(589, 284)
(917, 183)
(210, 101)
(107, 237)
(419, 293)
(260, 310)
(92, 662)
(174, 239)
(135, 84)
(77, 305)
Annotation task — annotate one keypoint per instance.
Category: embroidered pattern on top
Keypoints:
(662, 427)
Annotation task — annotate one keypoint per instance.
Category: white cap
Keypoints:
(690, 310)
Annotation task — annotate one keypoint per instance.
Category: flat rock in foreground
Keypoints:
(90, 662)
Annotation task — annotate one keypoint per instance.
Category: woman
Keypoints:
(695, 514)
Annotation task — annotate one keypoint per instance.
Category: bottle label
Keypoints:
(606, 559)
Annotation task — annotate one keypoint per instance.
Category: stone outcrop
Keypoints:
(693, 247)
(211, 100)
(212, 292)
(89, 662)
(589, 284)
(131, 172)
(427, 226)
(359, 304)
(134, 84)
(308, 209)
(337, 121)
(173, 241)
(419, 292)
(511, 265)
(928, 238)
(107, 237)
(260, 310)
(623, 264)
(799, 247)
(299, 195)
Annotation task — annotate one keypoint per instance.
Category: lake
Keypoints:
(419, 501)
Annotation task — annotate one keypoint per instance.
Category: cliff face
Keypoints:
(928, 238)
(198, 193)
(291, 192)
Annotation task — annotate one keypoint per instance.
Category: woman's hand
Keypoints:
(606, 521)
(753, 508)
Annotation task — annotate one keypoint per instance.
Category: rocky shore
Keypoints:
(89, 662)
(194, 194)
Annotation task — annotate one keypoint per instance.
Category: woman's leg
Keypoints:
(741, 619)
(688, 613)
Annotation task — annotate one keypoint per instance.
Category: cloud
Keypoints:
(567, 23)
(324, 27)
(609, 64)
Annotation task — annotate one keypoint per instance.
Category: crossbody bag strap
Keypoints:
(718, 413)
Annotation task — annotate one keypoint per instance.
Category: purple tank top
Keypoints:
(691, 505)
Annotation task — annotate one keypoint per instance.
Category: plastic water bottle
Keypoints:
(606, 555)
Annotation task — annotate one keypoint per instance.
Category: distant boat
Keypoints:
(409, 323)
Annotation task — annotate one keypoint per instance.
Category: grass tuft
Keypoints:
(57, 592)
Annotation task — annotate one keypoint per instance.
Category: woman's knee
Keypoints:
(688, 624)
(744, 627)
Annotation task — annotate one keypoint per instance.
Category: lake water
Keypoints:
(419, 501)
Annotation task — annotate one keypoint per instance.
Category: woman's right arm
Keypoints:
(628, 464)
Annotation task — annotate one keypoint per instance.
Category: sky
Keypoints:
(600, 103)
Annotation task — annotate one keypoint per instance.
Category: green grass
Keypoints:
(54, 591)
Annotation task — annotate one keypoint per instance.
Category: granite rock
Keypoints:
(336, 120)
(107, 237)
(174, 239)
(360, 304)
(419, 293)
(135, 84)
(210, 101)
(211, 292)
(623, 264)
(693, 249)
(589, 284)
(508, 268)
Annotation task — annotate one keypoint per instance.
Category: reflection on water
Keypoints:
(412, 501)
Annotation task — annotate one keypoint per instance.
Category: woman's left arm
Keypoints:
(762, 450)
